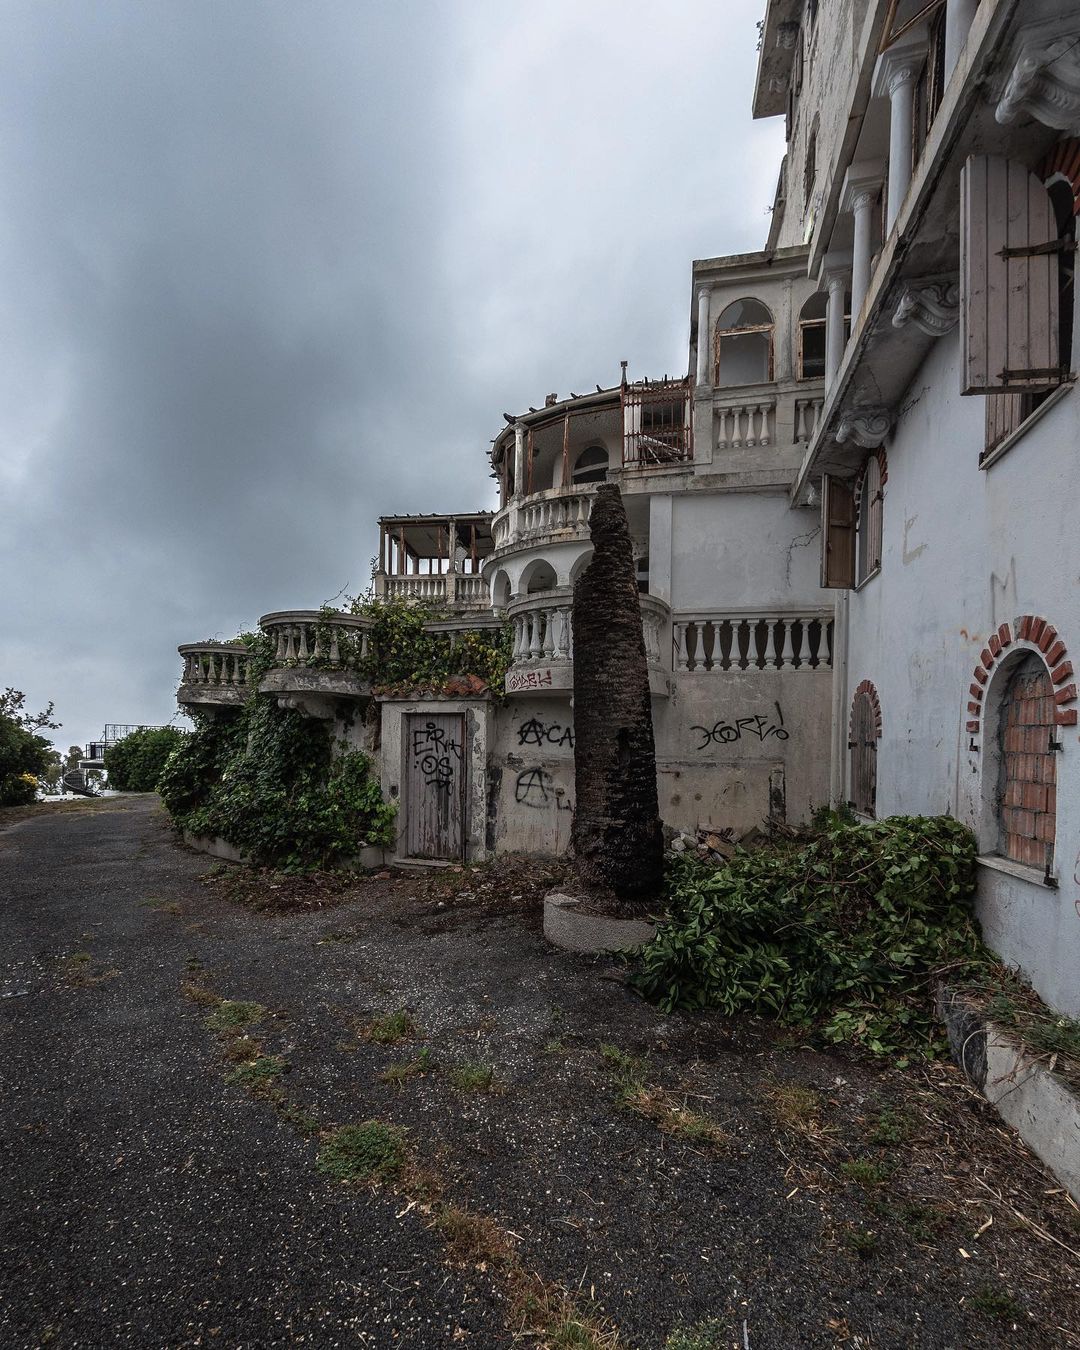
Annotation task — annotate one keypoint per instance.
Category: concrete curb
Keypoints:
(1041, 1107)
(574, 929)
(368, 857)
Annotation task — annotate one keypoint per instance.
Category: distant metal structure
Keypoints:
(114, 731)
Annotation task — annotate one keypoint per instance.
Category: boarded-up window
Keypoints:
(838, 533)
(1009, 251)
(869, 509)
(1028, 775)
(863, 747)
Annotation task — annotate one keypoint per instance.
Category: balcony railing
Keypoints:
(555, 515)
(807, 416)
(216, 674)
(452, 589)
(752, 641)
(542, 656)
(746, 423)
(311, 637)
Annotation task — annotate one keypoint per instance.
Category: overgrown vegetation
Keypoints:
(25, 757)
(404, 656)
(845, 930)
(134, 764)
(276, 786)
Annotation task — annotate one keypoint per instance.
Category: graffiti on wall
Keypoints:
(435, 755)
(758, 727)
(518, 680)
(537, 788)
(535, 732)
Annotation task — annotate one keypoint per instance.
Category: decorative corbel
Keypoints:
(1044, 80)
(787, 35)
(867, 428)
(932, 306)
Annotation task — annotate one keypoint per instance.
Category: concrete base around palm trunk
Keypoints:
(569, 924)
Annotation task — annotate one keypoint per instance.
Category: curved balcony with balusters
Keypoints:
(319, 657)
(542, 656)
(216, 675)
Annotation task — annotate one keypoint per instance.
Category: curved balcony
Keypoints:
(216, 675)
(319, 658)
(557, 515)
(542, 659)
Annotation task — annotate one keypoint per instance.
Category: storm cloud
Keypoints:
(270, 270)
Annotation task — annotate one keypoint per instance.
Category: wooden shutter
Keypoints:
(1009, 252)
(838, 531)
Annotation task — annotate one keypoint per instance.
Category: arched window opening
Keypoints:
(539, 576)
(1027, 777)
(869, 501)
(865, 730)
(591, 465)
(743, 345)
(500, 590)
(810, 363)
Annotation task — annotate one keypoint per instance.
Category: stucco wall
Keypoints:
(744, 549)
(965, 550)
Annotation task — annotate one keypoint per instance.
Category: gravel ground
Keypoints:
(148, 1202)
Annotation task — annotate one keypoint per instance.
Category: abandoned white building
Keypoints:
(852, 518)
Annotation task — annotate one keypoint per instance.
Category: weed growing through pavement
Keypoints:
(995, 1301)
(891, 1127)
(398, 1074)
(79, 971)
(867, 1171)
(371, 1151)
(635, 1093)
(701, 1336)
(390, 1028)
(795, 1108)
(473, 1077)
(257, 1074)
(232, 1015)
(862, 1241)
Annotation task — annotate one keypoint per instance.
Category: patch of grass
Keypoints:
(79, 972)
(370, 1151)
(199, 994)
(996, 1302)
(231, 1015)
(161, 906)
(671, 1116)
(257, 1073)
(390, 1028)
(298, 1118)
(891, 1127)
(924, 1222)
(867, 1172)
(862, 1241)
(400, 1073)
(795, 1108)
(473, 1077)
(701, 1336)
(473, 1239)
(554, 1047)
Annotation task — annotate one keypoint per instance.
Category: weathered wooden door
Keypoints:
(863, 746)
(435, 785)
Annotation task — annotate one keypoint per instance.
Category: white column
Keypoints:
(901, 97)
(519, 460)
(958, 17)
(861, 205)
(703, 336)
(836, 283)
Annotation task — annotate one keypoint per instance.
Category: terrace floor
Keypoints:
(706, 1175)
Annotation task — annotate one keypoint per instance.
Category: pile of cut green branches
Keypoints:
(845, 931)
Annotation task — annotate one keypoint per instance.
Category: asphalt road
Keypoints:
(146, 1201)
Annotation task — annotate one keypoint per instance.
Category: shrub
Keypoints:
(24, 756)
(134, 764)
(847, 929)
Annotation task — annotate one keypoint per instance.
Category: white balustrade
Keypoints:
(748, 423)
(752, 641)
(470, 588)
(544, 515)
(807, 416)
(543, 630)
(417, 586)
(225, 665)
(315, 638)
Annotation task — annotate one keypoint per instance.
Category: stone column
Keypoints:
(703, 336)
(958, 17)
(836, 286)
(894, 78)
(862, 182)
(519, 459)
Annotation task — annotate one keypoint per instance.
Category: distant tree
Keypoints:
(135, 763)
(25, 757)
(71, 761)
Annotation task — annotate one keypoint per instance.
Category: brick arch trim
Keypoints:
(1064, 159)
(1032, 633)
(865, 687)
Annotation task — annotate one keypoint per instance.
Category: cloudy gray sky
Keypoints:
(271, 269)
